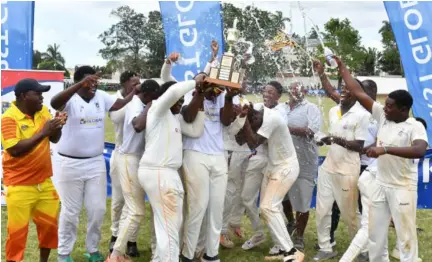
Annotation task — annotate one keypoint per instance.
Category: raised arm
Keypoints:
(328, 88)
(120, 103)
(139, 123)
(171, 96)
(253, 140)
(166, 75)
(194, 129)
(351, 84)
(58, 102)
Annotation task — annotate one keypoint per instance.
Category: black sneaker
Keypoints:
(293, 256)
(112, 243)
(132, 249)
(206, 258)
(185, 259)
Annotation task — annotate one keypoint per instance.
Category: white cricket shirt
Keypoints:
(133, 142)
(370, 139)
(353, 125)
(394, 171)
(211, 141)
(164, 147)
(229, 132)
(282, 154)
(117, 117)
(83, 135)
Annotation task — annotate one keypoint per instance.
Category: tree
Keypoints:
(258, 26)
(37, 58)
(369, 63)
(344, 41)
(54, 56)
(135, 42)
(390, 60)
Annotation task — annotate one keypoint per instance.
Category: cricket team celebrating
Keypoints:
(204, 156)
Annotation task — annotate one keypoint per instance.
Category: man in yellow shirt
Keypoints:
(27, 128)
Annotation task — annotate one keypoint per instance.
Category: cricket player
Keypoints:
(272, 92)
(82, 171)
(338, 175)
(401, 139)
(27, 128)
(205, 171)
(304, 120)
(237, 160)
(281, 172)
(129, 155)
(158, 171)
(128, 81)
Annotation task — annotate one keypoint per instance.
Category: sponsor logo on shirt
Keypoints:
(90, 121)
(97, 105)
(176, 129)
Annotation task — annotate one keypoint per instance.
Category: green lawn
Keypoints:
(234, 255)
(237, 254)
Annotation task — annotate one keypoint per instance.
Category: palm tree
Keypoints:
(279, 20)
(53, 54)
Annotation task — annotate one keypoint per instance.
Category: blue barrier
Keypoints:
(424, 190)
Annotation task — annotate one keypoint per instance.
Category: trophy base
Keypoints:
(223, 83)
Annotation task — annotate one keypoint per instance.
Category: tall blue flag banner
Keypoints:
(189, 29)
(17, 19)
(412, 26)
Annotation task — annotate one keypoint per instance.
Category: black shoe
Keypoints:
(132, 249)
(207, 258)
(185, 259)
(112, 243)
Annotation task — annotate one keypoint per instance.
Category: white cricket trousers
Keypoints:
(251, 186)
(118, 207)
(165, 192)
(401, 204)
(134, 196)
(233, 206)
(275, 186)
(205, 178)
(78, 181)
(343, 189)
(366, 185)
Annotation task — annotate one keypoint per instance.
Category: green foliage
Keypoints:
(135, 42)
(369, 62)
(52, 59)
(390, 60)
(258, 26)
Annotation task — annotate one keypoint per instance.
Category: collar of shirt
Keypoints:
(354, 109)
(20, 115)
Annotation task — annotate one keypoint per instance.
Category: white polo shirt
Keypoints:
(282, 154)
(229, 132)
(164, 147)
(83, 135)
(282, 109)
(394, 171)
(370, 140)
(353, 125)
(117, 117)
(211, 142)
(133, 142)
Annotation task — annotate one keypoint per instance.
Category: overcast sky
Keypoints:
(75, 25)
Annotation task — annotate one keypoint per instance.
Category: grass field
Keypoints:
(424, 221)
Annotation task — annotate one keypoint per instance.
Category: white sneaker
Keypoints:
(254, 241)
(395, 254)
(275, 250)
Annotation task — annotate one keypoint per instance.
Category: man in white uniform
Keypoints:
(237, 159)
(401, 139)
(128, 81)
(129, 155)
(272, 92)
(158, 172)
(205, 172)
(280, 174)
(338, 175)
(82, 170)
